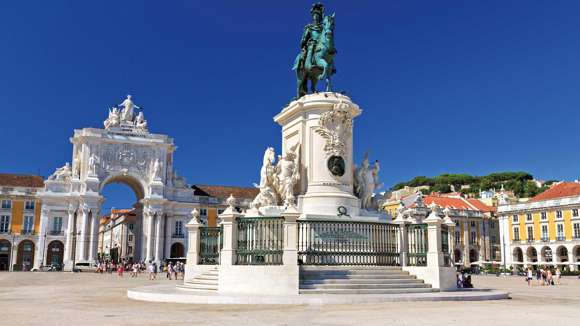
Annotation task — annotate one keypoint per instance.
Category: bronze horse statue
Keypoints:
(321, 67)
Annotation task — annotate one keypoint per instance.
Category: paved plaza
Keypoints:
(90, 299)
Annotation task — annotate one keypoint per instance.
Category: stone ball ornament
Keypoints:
(336, 165)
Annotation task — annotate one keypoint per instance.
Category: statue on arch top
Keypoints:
(316, 58)
(127, 113)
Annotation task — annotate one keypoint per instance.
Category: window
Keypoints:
(203, 211)
(544, 232)
(492, 224)
(493, 239)
(178, 227)
(560, 232)
(131, 226)
(530, 234)
(576, 230)
(29, 204)
(28, 224)
(515, 219)
(457, 237)
(6, 203)
(130, 238)
(472, 237)
(472, 224)
(4, 224)
(516, 233)
(575, 212)
(544, 216)
(558, 214)
(57, 224)
(220, 211)
(528, 217)
(129, 250)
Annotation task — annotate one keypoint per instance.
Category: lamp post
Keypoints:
(43, 250)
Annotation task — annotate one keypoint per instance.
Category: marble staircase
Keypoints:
(205, 282)
(359, 280)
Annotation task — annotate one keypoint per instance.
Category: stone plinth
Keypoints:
(322, 124)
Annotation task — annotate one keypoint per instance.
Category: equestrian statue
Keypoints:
(316, 58)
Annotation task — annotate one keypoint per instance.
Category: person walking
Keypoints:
(539, 276)
(558, 275)
(151, 270)
(529, 276)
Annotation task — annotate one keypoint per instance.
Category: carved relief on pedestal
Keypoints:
(335, 127)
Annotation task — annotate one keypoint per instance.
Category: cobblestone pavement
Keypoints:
(90, 299)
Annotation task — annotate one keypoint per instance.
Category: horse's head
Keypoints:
(328, 23)
(269, 156)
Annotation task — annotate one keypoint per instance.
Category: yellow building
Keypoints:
(213, 200)
(19, 221)
(543, 231)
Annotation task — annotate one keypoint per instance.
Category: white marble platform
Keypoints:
(171, 294)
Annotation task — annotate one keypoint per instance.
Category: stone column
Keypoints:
(194, 242)
(70, 230)
(290, 256)
(466, 242)
(229, 247)
(403, 239)
(82, 238)
(159, 237)
(94, 235)
(40, 255)
(434, 253)
(148, 235)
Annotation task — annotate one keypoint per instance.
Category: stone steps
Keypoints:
(359, 280)
(206, 282)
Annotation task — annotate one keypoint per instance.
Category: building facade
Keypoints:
(543, 231)
(19, 224)
(477, 234)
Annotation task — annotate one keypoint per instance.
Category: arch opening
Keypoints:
(5, 250)
(518, 255)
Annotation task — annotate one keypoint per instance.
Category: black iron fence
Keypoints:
(348, 243)
(260, 240)
(210, 245)
(417, 244)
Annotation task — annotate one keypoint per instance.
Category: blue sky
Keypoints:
(446, 86)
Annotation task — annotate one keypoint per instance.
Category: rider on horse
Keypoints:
(310, 38)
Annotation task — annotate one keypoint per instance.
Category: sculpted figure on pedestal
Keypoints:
(140, 122)
(366, 181)
(288, 174)
(267, 195)
(316, 58)
(62, 174)
(93, 161)
(114, 118)
(128, 107)
(155, 173)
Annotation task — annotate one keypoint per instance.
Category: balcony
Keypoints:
(178, 235)
(560, 238)
(27, 232)
(545, 239)
(5, 231)
(530, 240)
(56, 233)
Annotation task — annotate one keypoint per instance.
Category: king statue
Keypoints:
(316, 58)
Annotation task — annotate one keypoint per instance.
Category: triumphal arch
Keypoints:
(123, 151)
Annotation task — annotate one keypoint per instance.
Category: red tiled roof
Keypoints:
(564, 189)
(451, 202)
(481, 206)
(20, 180)
(224, 192)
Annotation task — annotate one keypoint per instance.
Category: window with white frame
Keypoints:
(576, 228)
(515, 219)
(472, 237)
(130, 237)
(129, 250)
(28, 224)
(203, 211)
(575, 212)
(29, 205)
(544, 232)
(219, 211)
(560, 231)
(457, 237)
(131, 226)
(528, 217)
(492, 224)
(516, 233)
(543, 216)
(178, 227)
(6, 203)
(530, 234)
(472, 224)
(4, 223)
(558, 214)
(57, 224)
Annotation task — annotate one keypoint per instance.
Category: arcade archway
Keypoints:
(25, 256)
(5, 249)
(55, 254)
(177, 250)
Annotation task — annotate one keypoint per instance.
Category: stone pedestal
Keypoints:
(322, 124)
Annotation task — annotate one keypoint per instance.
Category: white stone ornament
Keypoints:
(156, 170)
(267, 195)
(93, 161)
(231, 202)
(335, 127)
(288, 174)
(366, 181)
(128, 108)
(62, 174)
